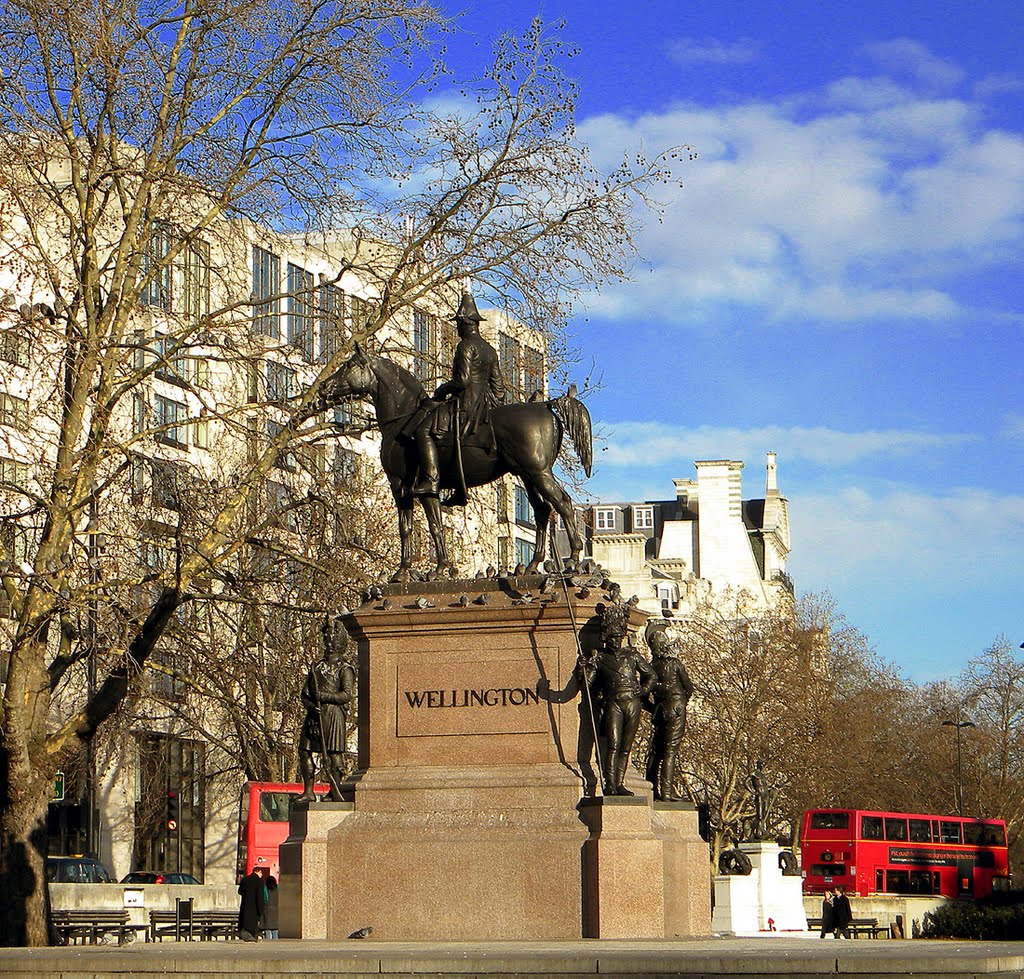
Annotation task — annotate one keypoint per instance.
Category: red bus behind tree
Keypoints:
(901, 853)
(264, 809)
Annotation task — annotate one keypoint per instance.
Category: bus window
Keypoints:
(275, 807)
(995, 836)
(974, 834)
(921, 832)
(895, 829)
(830, 820)
(828, 869)
(949, 832)
(897, 881)
(871, 827)
(924, 882)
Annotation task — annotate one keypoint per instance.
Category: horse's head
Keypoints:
(354, 379)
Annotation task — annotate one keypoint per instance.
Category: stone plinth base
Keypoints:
(475, 752)
(303, 895)
(764, 902)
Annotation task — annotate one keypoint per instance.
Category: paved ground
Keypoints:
(707, 958)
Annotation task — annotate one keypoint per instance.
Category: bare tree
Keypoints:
(145, 145)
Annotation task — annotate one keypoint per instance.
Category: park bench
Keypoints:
(90, 926)
(859, 927)
(215, 924)
(207, 925)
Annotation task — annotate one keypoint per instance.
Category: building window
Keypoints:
(266, 283)
(279, 506)
(165, 485)
(15, 542)
(424, 345)
(285, 459)
(156, 268)
(299, 317)
(14, 347)
(13, 411)
(169, 419)
(533, 372)
(643, 518)
(509, 359)
(156, 554)
(362, 313)
(345, 466)
(282, 381)
(196, 281)
(524, 551)
(201, 433)
(172, 364)
(524, 511)
(13, 474)
(330, 320)
(604, 519)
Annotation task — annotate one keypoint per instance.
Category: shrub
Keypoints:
(964, 919)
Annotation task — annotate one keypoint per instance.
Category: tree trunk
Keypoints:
(24, 897)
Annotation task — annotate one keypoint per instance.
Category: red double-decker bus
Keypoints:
(901, 853)
(264, 809)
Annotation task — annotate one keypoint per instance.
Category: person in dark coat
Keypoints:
(270, 926)
(250, 912)
(828, 913)
(842, 913)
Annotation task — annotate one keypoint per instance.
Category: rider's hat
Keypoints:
(467, 309)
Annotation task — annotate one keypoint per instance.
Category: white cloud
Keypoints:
(906, 536)
(689, 51)
(865, 200)
(634, 444)
(906, 56)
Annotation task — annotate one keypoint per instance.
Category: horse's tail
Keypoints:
(574, 416)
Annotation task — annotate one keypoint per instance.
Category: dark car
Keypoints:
(76, 870)
(157, 877)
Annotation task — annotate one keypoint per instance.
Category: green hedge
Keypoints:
(964, 919)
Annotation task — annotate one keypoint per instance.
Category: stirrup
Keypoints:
(458, 498)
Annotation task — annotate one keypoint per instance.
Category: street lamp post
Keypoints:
(959, 725)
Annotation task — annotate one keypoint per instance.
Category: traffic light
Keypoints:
(173, 809)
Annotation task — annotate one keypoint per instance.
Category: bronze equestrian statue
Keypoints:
(476, 441)
(476, 386)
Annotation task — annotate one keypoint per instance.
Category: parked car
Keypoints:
(76, 870)
(155, 877)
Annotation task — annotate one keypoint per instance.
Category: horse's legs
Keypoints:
(542, 517)
(432, 511)
(544, 484)
(405, 527)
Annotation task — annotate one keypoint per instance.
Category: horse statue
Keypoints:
(527, 438)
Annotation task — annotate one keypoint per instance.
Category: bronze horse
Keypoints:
(526, 443)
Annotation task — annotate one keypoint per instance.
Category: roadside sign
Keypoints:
(58, 787)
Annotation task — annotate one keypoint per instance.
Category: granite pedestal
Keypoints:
(472, 814)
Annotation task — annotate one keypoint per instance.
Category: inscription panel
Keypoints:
(485, 697)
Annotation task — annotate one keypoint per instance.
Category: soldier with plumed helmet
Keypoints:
(669, 696)
(620, 678)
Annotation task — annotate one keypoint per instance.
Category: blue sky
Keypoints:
(838, 281)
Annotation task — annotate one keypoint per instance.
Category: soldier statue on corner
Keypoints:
(329, 689)
(476, 386)
(620, 678)
(669, 696)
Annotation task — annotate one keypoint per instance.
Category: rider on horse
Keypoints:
(475, 386)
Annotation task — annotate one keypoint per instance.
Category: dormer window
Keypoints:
(604, 518)
(643, 518)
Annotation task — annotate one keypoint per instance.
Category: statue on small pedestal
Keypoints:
(620, 678)
(669, 696)
(329, 689)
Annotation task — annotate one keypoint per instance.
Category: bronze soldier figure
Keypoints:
(669, 696)
(329, 688)
(475, 386)
(620, 678)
